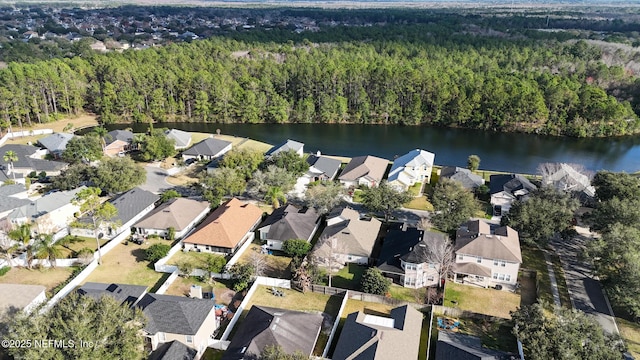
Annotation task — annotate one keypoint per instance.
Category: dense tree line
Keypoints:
(494, 85)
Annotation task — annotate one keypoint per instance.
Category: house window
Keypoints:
(460, 257)
(495, 276)
(189, 339)
(479, 259)
(432, 266)
(500, 276)
(430, 278)
(499, 263)
(507, 277)
(503, 263)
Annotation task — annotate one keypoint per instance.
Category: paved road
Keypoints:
(585, 292)
(156, 179)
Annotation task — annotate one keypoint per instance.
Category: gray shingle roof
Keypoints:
(464, 347)
(207, 147)
(326, 165)
(121, 292)
(25, 161)
(473, 239)
(264, 326)
(509, 183)
(56, 142)
(289, 222)
(44, 205)
(286, 146)
(9, 203)
(410, 245)
(13, 189)
(182, 138)
(177, 213)
(370, 167)
(365, 337)
(122, 135)
(357, 236)
(174, 350)
(175, 314)
(132, 203)
(464, 176)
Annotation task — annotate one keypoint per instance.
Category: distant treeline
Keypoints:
(487, 83)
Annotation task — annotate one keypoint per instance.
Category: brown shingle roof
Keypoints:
(226, 225)
(503, 244)
(365, 166)
(177, 213)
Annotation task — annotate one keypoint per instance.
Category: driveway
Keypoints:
(156, 179)
(586, 293)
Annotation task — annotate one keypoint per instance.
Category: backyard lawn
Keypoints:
(415, 189)
(533, 258)
(348, 277)
(47, 277)
(630, 332)
(479, 300)
(126, 264)
(80, 242)
(276, 265)
(182, 286)
(419, 203)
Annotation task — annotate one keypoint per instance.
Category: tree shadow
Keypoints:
(139, 254)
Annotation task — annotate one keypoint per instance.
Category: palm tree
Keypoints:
(23, 235)
(274, 195)
(7, 253)
(46, 247)
(11, 157)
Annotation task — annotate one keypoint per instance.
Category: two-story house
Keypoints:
(485, 257)
(411, 168)
(505, 189)
(405, 256)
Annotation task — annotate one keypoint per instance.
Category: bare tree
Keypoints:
(438, 250)
(565, 177)
(328, 254)
(258, 262)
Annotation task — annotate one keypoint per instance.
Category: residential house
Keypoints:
(181, 214)
(131, 206)
(465, 177)
(405, 253)
(289, 145)
(118, 142)
(207, 149)
(181, 138)
(12, 197)
(505, 189)
(565, 177)
(411, 168)
(485, 257)
(16, 297)
(30, 158)
(465, 347)
(292, 331)
(226, 229)
(178, 318)
(373, 337)
(56, 143)
(321, 168)
(286, 223)
(364, 170)
(351, 238)
(49, 214)
(173, 350)
(122, 293)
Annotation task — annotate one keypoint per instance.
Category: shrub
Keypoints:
(156, 252)
(373, 282)
(296, 248)
(4, 270)
(85, 255)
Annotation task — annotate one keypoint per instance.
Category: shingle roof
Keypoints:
(9, 203)
(121, 292)
(471, 268)
(413, 158)
(226, 225)
(132, 203)
(503, 244)
(177, 213)
(465, 347)
(293, 331)
(122, 135)
(182, 138)
(44, 205)
(175, 314)
(464, 176)
(12, 189)
(289, 222)
(566, 178)
(25, 161)
(286, 146)
(173, 350)
(56, 142)
(358, 236)
(325, 165)
(509, 183)
(410, 245)
(377, 338)
(207, 147)
(365, 166)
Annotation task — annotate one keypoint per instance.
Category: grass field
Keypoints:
(295, 300)
(126, 264)
(81, 121)
(47, 277)
(482, 301)
(274, 265)
(630, 332)
(419, 203)
(80, 242)
(348, 277)
(533, 258)
(223, 294)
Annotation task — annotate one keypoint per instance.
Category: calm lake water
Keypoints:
(498, 151)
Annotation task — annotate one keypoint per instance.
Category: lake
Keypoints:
(498, 151)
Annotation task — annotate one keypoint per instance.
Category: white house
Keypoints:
(487, 258)
(321, 168)
(48, 214)
(410, 168)
(181, 214)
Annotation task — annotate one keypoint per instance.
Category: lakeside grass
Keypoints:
(79, 122)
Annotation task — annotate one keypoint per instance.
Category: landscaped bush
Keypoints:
(156, 252)
(296, 248)
(373, 282)
(4, 270)
(85, 255)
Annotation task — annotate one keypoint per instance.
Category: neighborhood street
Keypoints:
(586, 293)
(156, 179)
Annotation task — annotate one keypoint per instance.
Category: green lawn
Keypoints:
(415, 189)
(494, 334)
(630, 332)
(419, 203)
(348, 277)
(565, 299)
(403, 293)
(357, 196)
(533, 258)
(221, 288)
(424, 338)
(276, 265)
(212, 354)
(479, 300)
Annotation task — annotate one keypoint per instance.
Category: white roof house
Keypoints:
(410, 168)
